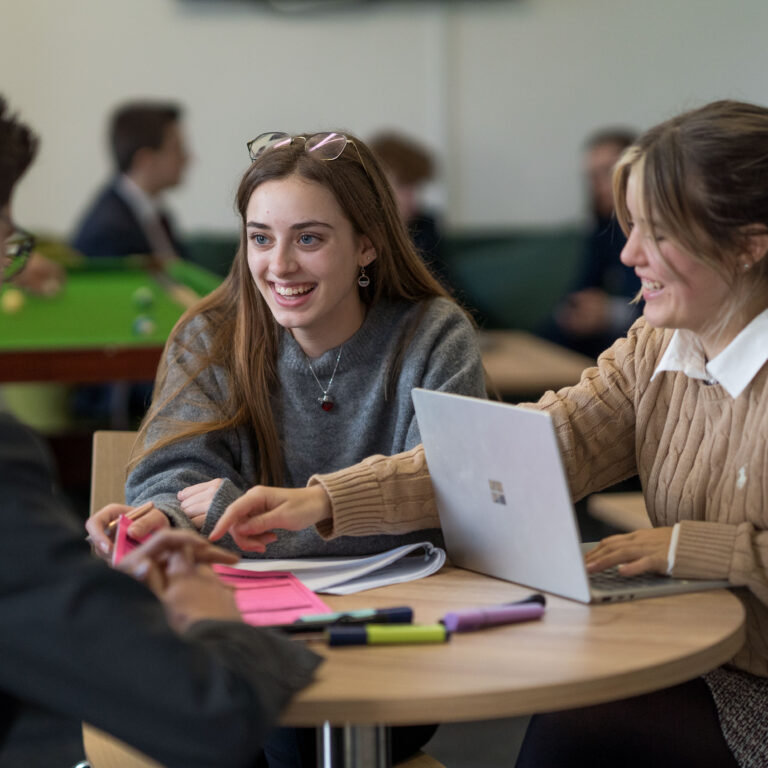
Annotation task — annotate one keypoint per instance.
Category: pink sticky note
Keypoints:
(263, 597)
(270, 597)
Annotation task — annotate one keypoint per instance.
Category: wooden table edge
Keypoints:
(522, 701)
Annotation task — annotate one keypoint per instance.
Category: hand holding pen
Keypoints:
(101, 525)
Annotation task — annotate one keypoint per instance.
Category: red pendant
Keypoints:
(326, 405)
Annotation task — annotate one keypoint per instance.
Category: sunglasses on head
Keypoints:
(326, 146)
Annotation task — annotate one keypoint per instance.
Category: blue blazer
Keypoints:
(110, 228)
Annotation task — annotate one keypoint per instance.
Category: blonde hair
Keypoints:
(702, 180)
(244, 342)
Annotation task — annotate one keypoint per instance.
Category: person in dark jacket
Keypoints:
(598, 308)
(127, 216)
(170, 669)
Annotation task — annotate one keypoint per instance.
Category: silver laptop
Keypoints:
(504, 503)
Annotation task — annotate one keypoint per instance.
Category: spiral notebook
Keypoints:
(346, 575)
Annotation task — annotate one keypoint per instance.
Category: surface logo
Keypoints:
(497, 492)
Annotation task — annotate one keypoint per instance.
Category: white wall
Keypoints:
(504, 91)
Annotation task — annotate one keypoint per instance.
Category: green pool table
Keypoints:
(89, 332)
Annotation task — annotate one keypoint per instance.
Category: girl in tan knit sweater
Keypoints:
(682, 402)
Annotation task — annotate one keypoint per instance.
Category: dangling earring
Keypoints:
(363, 281)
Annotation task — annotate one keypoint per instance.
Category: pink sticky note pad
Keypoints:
(270, 597)
(123, 542)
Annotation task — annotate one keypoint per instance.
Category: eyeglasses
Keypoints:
(326, 146)
(18, 248)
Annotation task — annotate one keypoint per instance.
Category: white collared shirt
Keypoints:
(148, 213)
(733, 369)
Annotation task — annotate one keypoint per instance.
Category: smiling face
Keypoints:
(305, 257)
(679, 291)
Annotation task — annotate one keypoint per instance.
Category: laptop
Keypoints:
(504, 503)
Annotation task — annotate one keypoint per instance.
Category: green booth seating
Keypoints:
(513, 278)
(212, 251)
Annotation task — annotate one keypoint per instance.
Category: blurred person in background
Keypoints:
(598, 309)
(127, 218)
(409, 166)
(150, 156)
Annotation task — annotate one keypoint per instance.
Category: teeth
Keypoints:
(287, 290)
(652, 285)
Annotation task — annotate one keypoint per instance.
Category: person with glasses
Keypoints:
(18, 248)
(176, 674)
(681, 401)
(27, 269)
(306, 355)
(304, 359)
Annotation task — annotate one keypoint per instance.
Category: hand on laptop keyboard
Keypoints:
(637, 552)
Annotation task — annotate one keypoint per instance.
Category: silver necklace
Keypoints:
(326, 401)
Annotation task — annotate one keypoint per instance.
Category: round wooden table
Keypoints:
(576, 655)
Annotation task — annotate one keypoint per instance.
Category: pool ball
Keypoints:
(143, 297)
(12, 301)
(143, 326)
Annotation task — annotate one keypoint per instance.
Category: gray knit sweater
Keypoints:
(442, 355)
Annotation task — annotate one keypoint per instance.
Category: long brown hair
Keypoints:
(702, 181)
(244, 334)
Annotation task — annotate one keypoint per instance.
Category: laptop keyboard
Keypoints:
(612, 580)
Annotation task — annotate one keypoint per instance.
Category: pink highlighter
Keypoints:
(493, 615)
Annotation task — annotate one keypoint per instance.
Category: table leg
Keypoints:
(353, 746)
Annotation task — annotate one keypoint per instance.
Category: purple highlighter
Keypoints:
(508, 613)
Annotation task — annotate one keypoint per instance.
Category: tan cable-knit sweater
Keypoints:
(702, 458)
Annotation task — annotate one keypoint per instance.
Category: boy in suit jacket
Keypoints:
(150, 156)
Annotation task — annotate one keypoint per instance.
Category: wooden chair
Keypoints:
(420, 760)
(105, 751)
(111, 452)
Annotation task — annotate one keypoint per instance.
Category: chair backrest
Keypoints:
(105, 751)
(111, 452)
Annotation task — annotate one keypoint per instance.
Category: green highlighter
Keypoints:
(388, 634)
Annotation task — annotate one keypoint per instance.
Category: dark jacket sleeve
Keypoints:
(89, 642)
(110, 228)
